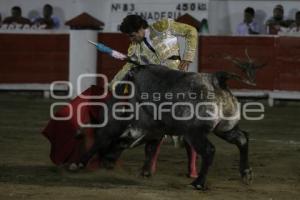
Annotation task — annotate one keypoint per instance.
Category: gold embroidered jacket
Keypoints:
(163, 38)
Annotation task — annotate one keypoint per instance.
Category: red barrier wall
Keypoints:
(280, 54)
(34, 58)
(43, 58)
(287, 63)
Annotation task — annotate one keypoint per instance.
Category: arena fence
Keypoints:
(33, 60)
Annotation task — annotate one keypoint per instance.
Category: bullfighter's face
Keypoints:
(137, 36)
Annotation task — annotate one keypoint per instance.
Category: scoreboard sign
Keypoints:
(155, 10)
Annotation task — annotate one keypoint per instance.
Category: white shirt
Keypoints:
(147, 36)
(243, 28)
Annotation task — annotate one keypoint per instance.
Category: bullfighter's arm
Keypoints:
(121, 74)
(191, 36)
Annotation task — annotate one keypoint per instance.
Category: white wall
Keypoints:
(101, 9)
(64, 9)
(224, 15)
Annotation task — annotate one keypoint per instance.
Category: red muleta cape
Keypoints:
(65, 147)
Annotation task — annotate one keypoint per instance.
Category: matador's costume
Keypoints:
(160, 46)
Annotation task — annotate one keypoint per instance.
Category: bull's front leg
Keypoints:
(84, 159)
(111, 158)
(152, 149)
(101, 146)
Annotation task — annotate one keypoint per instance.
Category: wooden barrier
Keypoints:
(34, 58)
(43, 58)
(287, 64)
(280, 54)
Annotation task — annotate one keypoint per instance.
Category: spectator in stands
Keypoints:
(295, 27)
(277, 22)
(16, 17)
(248, 26)
(48, 21)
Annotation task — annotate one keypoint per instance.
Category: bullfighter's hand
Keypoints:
(184, 65)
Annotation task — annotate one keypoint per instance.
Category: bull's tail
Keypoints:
(222, 78)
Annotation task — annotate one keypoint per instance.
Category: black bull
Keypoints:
(174, 103)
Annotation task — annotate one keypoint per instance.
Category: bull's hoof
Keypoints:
(81, 165)
(73, 167)
(247, 176)
(146, 173)
(198, 186)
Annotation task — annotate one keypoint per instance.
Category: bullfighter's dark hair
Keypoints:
(133, 23)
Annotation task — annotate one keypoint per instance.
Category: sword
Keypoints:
(113, 53)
